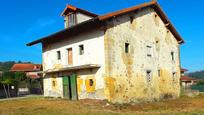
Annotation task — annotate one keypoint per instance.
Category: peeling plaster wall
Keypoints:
(97, 92)
(125, 78)
(93, 42)
(49, 89)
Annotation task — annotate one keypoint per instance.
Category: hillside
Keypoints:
(197, 74)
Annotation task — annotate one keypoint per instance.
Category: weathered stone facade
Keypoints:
(125, 76)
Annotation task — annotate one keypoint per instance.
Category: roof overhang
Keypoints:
(71, 8)
(153, 4)
(186, 78)
(79, 28)
(98, 21)
(73, 68)
(183, 70)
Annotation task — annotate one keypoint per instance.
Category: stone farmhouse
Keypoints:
(131, 55)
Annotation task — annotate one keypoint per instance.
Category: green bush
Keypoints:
(198, 87)
(201, 82)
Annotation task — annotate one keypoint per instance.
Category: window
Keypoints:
(71, 19)
(149, 51)
(148, 75)
(91, 82)
(53, 83)
(81, 49)
(58, 55)
(127, 47)
(172, 56)
(174, 76)
(66, 22)
(159, 72)
(157, 45)
(90, 85)
(131, 19)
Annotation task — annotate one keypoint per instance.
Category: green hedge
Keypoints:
(198, 87)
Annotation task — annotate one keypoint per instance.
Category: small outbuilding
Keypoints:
(34, 73)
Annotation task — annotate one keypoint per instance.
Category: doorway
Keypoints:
(70, 56)
(70, 87)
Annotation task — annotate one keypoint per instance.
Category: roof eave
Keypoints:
(156, 7)
(75, 9)
(166, 20)
(93, 21)
(152, 4)
(124, 11)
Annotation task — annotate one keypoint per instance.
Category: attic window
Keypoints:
(72, 19)
(127, 47)
(131, 19)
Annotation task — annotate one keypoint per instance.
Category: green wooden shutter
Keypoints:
(66, 87)
(74, 87)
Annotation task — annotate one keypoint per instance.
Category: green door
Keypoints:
(66, 91)
(73, 81)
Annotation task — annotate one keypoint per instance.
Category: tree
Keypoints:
(7, 80)
(3, 83)
(6, 66)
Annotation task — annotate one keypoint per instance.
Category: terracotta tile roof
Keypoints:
(126, 10)
(186, 78)
(183, 70)
(22, 67)
(98, 21)
(71, 8)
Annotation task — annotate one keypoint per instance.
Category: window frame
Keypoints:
(172, 56)
(127, 47)
(131, 19)
(72, 19)
(149, 75)
(81, 49)
(174, 75)
(159, 73)
(54, 83)
(59, 55)
(91, 82)
(149, 49)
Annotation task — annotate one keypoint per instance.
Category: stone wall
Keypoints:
(126, 73)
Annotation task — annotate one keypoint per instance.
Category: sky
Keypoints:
(22, 21)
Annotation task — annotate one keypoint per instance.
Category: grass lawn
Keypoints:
(51, 106)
